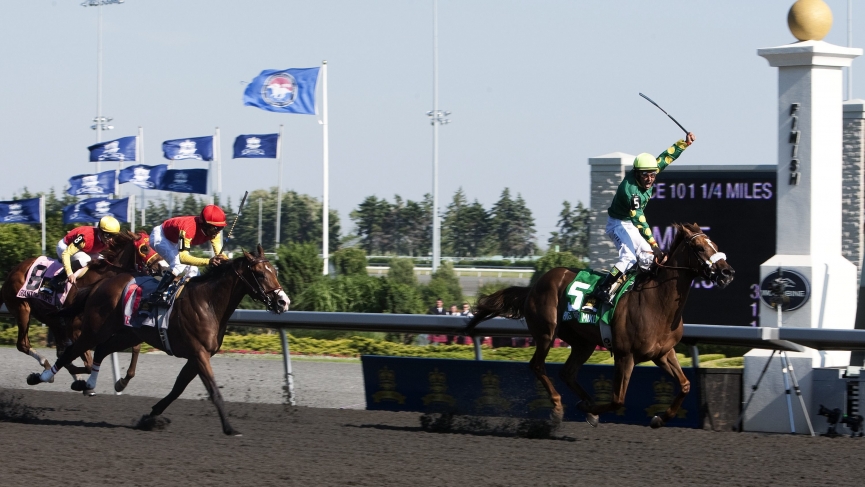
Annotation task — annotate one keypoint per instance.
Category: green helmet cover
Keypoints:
(645, 162)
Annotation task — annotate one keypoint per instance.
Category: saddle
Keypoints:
(38, 275)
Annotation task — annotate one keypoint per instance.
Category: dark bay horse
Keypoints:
(125, 252)
(647, 323)
(196, 326)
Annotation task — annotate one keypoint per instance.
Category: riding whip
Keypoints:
(665, 113)
(239, 211)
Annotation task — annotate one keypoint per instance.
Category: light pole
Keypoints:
(100, 122)
(436, 119)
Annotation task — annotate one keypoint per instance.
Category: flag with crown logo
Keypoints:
(256, 146)
(92, 210)
(185, 181)
(192, 148)
(20, 211)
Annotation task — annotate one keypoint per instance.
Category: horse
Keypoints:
(124, 252)
(646, 325)
(196, 328)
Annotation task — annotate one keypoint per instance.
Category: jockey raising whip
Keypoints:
(627, 226)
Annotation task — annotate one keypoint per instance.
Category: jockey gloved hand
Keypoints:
(659, 254)
(217, 260)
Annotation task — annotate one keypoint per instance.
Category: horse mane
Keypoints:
(680, 235)
(118, 244)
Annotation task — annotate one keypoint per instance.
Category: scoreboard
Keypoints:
(735, 207)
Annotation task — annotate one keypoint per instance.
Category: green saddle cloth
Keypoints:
(583, 285)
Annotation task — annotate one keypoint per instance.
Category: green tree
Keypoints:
(513, 226)
(465, 227)
(17, 243)
(394, 228)
(444, 284)
(370, 219)
(553, 259)
(299, 267)
(402, 271)
(398, 297)
(349, 262)
(573, 230)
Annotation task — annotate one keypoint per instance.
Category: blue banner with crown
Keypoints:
(493, 388)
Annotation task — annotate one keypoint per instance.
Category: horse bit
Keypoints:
(706, 264)
(267, 297)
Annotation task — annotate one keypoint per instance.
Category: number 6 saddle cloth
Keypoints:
(42, 270)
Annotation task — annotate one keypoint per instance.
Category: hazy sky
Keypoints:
(535, 87)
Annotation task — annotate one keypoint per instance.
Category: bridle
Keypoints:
(706, 264)
(258, 292)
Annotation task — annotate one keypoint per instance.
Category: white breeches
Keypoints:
(170, 252)
(78, 260)
(632, 247)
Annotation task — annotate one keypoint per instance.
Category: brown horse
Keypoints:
(125, 252)
(646, 325)
(196, 326)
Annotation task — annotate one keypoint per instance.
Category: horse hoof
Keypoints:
(152, 423)
(657, 422)
(592, 419)
(34, 379)
(233, 432)
(89, 392)
(120, 385)
(78, 385)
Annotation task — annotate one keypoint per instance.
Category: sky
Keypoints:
(536, 88)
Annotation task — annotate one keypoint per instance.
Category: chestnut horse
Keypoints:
(196, 326)
(125, 252)
(646, 325)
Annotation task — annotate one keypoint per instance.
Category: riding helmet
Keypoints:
(109, 224)
(645, 162)
(213, 215)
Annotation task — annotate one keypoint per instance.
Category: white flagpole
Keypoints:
(42, 217)
(325, 216)
(279, 184)
(140, 156)
(217, 152)
(130, 210)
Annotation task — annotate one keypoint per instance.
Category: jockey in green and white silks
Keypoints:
(627, 226)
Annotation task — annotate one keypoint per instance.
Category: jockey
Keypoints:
(81, 244)
(176, 236)
(627, 226)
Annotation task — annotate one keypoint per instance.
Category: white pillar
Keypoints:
(809, 186)
(325, 198)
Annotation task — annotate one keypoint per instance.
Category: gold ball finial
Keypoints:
(809, 20)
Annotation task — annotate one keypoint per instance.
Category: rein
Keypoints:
(266, 297)
(708, 263)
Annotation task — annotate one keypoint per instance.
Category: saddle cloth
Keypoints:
(138, 289)
(42, 270)
(583, 285)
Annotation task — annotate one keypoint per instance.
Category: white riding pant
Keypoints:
(78, 260)
(633, 248)
(170, 252)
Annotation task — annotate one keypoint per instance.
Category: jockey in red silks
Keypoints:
(81, 245)
(175, 237)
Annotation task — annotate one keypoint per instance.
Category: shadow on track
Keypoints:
(471, 425)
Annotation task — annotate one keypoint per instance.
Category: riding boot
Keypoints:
(603, 292)
(160, 296)
(55, 284)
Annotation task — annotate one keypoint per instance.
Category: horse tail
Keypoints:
(508, 303)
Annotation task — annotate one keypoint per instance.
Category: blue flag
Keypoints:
(197, 148)
(122, 149)
(147, 177)
(256, 146)
(102, 183)
(185, 181)
(92, 210)
(20, 211)
(283, 90)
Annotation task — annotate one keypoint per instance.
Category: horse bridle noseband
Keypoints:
(706, 265)
(266, 297)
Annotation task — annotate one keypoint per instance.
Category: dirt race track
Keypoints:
(72, 440)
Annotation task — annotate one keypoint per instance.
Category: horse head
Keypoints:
(146, 258)
(712, 263)
(259, 275)
(120, 250)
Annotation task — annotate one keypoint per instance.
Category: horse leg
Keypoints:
(542, 348)
(579, 355)
(670, 363)
(187, 373)
(205, 371)
(117, 342)
(21, 312)
(624, 367)
(130, 372)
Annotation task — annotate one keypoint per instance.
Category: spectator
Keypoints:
(438, 309)
(453, 338)
(453, 311)
(467, 311)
